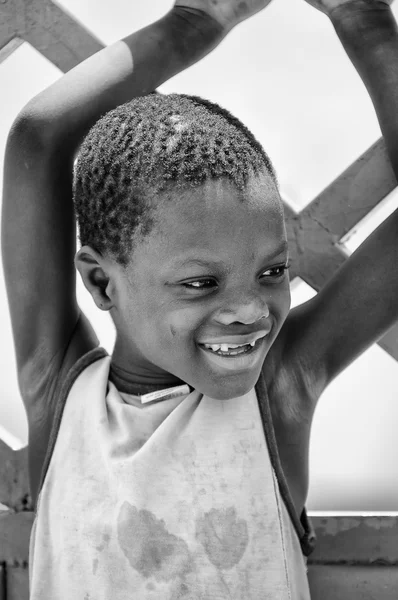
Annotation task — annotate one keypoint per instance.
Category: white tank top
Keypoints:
(172, 499)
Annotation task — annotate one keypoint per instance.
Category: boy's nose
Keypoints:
(246, 313)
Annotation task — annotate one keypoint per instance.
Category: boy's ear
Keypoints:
(94, 271)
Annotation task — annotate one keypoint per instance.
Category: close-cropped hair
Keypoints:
(146, 146)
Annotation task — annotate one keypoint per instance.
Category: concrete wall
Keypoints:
(356, 558)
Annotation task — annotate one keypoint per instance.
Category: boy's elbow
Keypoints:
(30, 128)
(33, 122)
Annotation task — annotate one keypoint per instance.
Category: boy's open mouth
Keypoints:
(232, 349)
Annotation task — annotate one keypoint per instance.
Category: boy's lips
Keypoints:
(236, 340)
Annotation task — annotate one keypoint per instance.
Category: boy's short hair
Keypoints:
(146, 146)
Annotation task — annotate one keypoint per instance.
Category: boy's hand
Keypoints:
(227, 13)
(328, 6)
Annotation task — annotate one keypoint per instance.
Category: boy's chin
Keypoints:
(227, 390)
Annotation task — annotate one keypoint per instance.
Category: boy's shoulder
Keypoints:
(289, 379)
(291, 407)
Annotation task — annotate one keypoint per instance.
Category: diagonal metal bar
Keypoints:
(9, 48)
(48, 29)
(314, 254)
(354, 193)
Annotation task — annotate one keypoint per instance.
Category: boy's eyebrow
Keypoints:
(205, 263)
(199, 262)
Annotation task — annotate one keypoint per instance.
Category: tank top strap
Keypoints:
(59, 397)
(308, 541)
(302, 524)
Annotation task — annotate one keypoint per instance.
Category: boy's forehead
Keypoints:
(216, 195)
(215, 215)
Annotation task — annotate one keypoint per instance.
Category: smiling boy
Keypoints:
(177, 327)
(178, 467)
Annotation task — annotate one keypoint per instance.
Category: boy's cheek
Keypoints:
(184, 324)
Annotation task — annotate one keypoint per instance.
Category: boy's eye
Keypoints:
(276, 272)
(200, 284)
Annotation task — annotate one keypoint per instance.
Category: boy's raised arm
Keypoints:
(38, 227)
(360, 303)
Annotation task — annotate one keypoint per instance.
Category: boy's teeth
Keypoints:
(227, 347)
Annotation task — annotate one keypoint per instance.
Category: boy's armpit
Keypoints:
(41, 396)
(354, 309)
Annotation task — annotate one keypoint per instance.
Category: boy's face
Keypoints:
(210, 273)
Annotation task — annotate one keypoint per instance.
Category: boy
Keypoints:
(185, 454)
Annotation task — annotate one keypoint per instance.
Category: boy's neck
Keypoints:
(139, 384)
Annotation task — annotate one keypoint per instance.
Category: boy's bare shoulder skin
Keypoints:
(292, 407)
